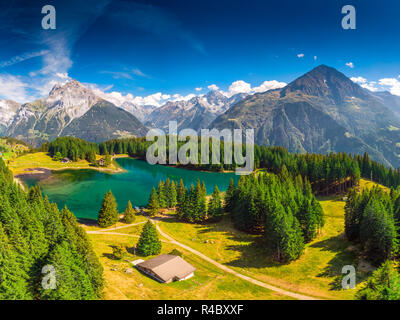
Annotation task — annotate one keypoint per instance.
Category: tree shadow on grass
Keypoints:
(343, 256)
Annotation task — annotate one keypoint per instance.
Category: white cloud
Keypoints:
(13, 88)
(199, 89)
(239, 86)
(386, 84)
(178, 97)
(358, 79)
(22, 57)
(391, 84)
(269, 85)
(139, 73)
(300, 55)
(213, 87)
(370, 86)
(350, 65)
(63, 75)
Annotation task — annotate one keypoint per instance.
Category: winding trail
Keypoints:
(229, 270)
(104, 231)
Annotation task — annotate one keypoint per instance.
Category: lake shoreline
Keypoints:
(44, 172)
(83, 190)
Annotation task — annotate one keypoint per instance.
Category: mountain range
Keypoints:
(196, 113)
(72, 109)
(322, 111)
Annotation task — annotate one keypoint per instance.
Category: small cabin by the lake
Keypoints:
(101, 162)
(65, 160)
(167, 268)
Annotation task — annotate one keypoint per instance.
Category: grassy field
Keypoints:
(316, 273)
(208, 283)
(42, 160)
(369, 184)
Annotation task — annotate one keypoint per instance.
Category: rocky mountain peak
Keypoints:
(325, 82)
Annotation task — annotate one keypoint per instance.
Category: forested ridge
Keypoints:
(35, 234)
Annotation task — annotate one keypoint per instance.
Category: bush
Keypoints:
(119, 252)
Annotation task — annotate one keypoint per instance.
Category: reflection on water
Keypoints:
(83, 190)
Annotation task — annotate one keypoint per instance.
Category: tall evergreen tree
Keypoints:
(108, 214)
(153, 205)
(149, 243)
(129, 213)
(215, 205)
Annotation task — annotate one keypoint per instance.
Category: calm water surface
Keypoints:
(83, 190)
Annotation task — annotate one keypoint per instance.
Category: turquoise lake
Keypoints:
(83, 190)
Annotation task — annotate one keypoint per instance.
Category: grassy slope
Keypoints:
(42, 160)
(208, 283)
(317, 272)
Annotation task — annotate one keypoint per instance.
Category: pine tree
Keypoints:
(215, 205)
(162, 198)
(229, 197)
(308, 220)
(181, 195)
(149, 243)
(153, 205)
(384, 284)
(108, 214)
(129, 213)
(378, 233)
(173, 194)
(107, 160)
(283, 236)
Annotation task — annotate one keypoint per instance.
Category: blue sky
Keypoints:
(142, 48)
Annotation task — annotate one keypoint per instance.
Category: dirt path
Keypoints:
(228, 270)
(115, 228)
(122, 234)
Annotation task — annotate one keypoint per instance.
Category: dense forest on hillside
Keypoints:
(283, 210)
(35, 234)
